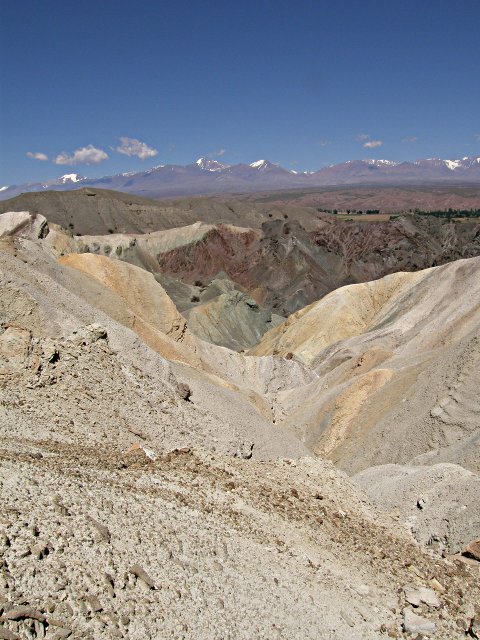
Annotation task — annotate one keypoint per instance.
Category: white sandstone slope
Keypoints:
(48, 300)
(398, 366)
(439, 503)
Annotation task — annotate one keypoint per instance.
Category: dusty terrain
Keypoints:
(283, 257)
(101, 211)
(387, 199)
(398, 368)
(282, 266)
(158, 485)
(201, 546)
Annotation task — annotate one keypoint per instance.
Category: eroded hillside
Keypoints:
(283, 256)
(155, 484)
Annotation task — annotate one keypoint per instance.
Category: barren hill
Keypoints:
(100, 211)
(398, 366)
(284, 267)
(282, 257)
(156, 485)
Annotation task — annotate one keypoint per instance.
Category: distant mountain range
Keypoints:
(210, 176)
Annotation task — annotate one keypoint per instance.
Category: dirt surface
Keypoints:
(194, 545)
(438, 502)
(155, 485)
(101, 211)
(387, 199)
(285, 264)
(398, 368)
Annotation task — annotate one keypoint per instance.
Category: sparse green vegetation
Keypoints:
(451, 214)
(365, 217)
(351, 212)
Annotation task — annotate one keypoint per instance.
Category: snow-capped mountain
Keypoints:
(381, 163)
(210, 165)
(262, 165)
(451, 165)
(67, 179)
(210, 176)
(71, 177)
(467, 163)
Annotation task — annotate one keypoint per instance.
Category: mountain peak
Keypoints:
(466, 162)
(70, 177)
(261, 164)
(381, 163)
(210, 165)
(207, 175)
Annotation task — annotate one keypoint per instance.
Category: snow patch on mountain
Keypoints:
(70, 177)
(259, 164)
(210, 165)
(153, 169)
(453, 164)
(381, 163)
(261, 174)
(470, 162)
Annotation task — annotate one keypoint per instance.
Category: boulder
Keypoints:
(23, 224)
(473, 550)
(416, 624)
(417, 595)
(23, 612)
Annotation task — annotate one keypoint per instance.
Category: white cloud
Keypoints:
(323, 143)
(368, 143)
(477, 136)
(133, 147)
(371, 144)
(219, 153)
(410, 139)
(37, 155)
(84, 155)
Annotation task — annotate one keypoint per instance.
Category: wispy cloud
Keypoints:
(410, 139)
(37, 155)
(477, 136)
(368, 143)
(324, 143)
(219, 153)
(84, 155)
(371, 144)
(133, 147)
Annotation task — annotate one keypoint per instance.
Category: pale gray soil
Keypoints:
(148, 490)
(439, 503)
(230, 549)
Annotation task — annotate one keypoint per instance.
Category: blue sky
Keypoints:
(304, 84)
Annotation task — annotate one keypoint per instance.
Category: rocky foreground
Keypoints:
(102, 543)
(155, 485)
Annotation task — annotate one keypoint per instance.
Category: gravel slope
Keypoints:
(149, 491)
